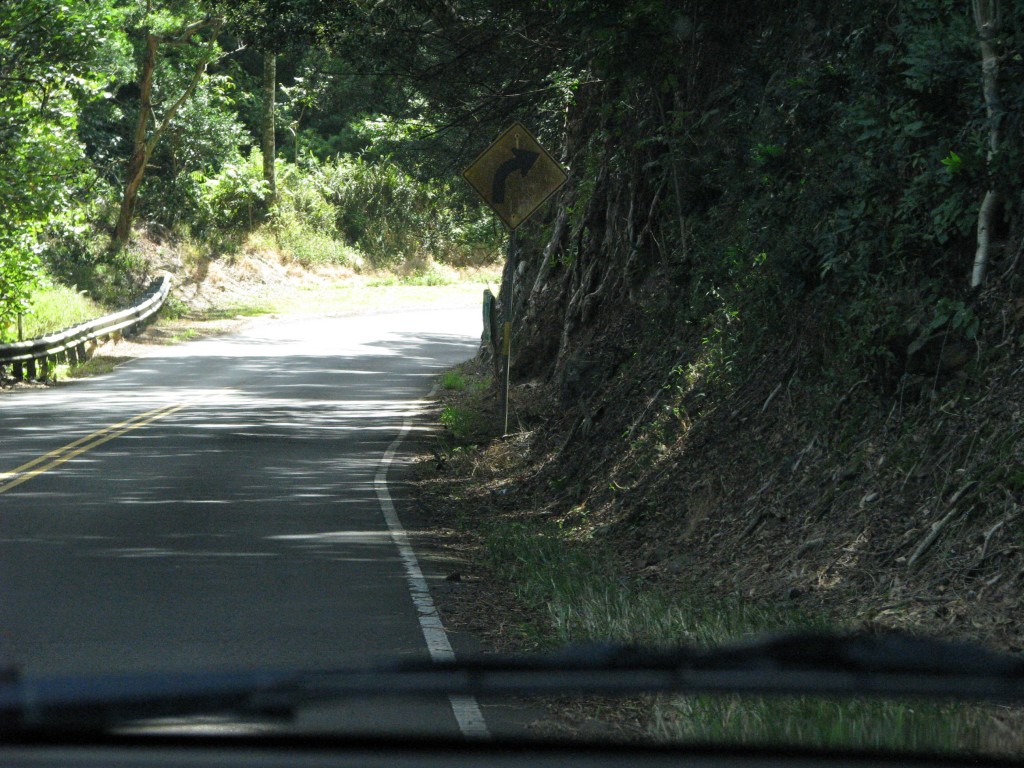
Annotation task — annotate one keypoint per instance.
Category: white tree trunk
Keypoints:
(987, 20)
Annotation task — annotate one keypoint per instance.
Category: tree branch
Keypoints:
(197, 75)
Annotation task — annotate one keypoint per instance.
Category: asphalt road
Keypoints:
(214, 506)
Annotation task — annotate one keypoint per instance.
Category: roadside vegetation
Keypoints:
(573, 596)
(537, 579)
(56, 307)
(767, 341)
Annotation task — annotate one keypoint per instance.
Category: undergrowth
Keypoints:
(345, 211)
(561, 565)
(576, 589)
(53, 309)
(574, 596)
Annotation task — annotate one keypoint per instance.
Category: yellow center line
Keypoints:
(55, 458)
(4, 476)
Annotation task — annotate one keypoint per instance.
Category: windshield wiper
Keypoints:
(890, 665)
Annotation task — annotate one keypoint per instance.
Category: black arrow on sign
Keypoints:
(522, 161)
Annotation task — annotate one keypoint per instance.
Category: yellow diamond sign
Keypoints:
(515, 175)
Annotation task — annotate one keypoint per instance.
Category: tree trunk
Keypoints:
(143, 147)
(987, 20)
(137, 162)
(269, 125)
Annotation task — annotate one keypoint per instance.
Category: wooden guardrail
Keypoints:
(35, 358)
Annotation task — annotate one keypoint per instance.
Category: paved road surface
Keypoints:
(214, 505)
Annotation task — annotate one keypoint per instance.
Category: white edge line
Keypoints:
(465, 708)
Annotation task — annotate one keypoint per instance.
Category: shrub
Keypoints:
(394, 218)
(234, 198)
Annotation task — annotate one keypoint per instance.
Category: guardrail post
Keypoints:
(30, 370)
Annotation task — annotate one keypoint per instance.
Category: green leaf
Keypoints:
(953, 162)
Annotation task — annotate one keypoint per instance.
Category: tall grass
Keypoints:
(583, 600)
(579, 599)
(919, 726)
(53, 309)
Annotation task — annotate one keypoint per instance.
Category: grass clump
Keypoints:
(459, 421)
(467, 406)
(252, 308)
(453, 380)
(311, 248)
(920, 726)
(427, 272)
(96, 366)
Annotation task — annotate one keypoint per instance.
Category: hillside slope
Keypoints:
(747, 355)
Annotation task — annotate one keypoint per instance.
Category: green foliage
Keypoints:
(69, 104)
(945, 315)
(19, 273)
(923, 726)
(56, 307)
(953, 162)
(393, 217)
(846, 142)
(453, 380)
(232, 199)
(459, 421)
(48, 66)
(833, 157)
(310, 247)
(202, 140)
(574, 589)
(346, 211)
(574, 597)
(418, 273)
(304, 220)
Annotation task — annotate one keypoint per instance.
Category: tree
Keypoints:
(49, 53)
(275, 29)
(271, 28)
(145, 139)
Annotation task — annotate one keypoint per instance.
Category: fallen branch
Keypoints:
(990, 533)
(933, 534)
(803, 453)
(771, 397)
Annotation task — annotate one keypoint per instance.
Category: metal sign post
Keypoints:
(514, 176)
(506, 347)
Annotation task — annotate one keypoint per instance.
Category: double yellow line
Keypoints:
(55, 458)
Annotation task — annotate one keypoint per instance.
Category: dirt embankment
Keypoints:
(873, 508)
